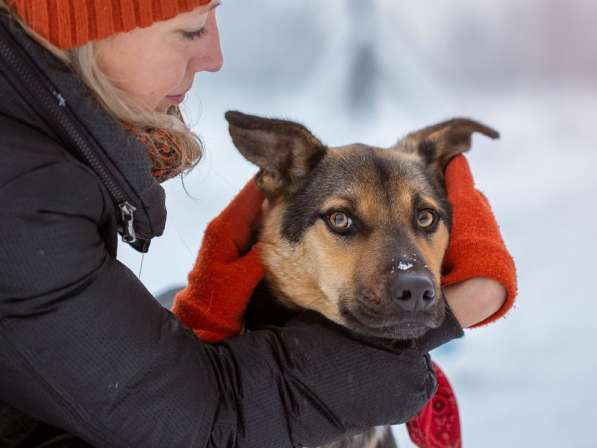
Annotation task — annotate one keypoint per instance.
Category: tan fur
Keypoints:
(294, 272)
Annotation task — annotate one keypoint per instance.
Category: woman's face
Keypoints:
(156, 65)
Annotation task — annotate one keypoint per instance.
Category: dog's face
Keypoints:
(356, 233)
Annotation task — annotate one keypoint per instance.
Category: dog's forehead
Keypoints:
(377, 181)
(366, 166)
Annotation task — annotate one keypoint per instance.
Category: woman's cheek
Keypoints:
(157, 88)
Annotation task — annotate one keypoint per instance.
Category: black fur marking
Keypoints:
(334, 176)
(331, 177)
(440, 194)
(265, 310)
(305, 204)
(385, 176)
(428, 151)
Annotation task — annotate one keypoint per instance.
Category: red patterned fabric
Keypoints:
(438, 423)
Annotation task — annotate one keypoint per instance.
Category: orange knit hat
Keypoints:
(72, 23)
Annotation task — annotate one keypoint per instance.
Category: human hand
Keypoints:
(223, 278)
(474, 300)
(477, 258)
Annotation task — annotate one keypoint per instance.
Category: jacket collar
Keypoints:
(125, 160)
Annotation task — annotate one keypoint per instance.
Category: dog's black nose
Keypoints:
(413, 291)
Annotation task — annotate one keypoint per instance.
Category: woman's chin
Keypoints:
(165, 105)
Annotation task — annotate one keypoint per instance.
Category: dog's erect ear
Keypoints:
(437, 144)
(285, 151)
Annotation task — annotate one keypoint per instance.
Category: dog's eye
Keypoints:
(426, 218)
(340, 222)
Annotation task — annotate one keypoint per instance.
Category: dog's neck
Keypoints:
(265, 309)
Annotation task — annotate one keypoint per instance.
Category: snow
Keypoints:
(527, 379)
(405, 266)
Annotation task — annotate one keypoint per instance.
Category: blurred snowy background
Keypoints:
(371, 71)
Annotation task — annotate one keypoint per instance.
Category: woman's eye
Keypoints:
(340, 222)
(426, 218)
(192, 35)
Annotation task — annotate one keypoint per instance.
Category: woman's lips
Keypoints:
(176, 98)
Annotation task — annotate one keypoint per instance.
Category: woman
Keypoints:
(88, 127)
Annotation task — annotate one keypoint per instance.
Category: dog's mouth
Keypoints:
(388, 327)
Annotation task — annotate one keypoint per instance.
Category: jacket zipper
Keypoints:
(55, 105)
(127, 213)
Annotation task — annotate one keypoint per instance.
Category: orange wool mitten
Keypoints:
(222, 280)
(476, 248)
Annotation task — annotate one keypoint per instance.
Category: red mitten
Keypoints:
(222, 281)
(476, 248)
(438, 423)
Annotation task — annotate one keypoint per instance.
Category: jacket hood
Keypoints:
(122, 159)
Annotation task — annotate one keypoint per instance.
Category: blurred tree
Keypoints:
(365, 69)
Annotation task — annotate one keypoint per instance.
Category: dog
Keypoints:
(356, 233)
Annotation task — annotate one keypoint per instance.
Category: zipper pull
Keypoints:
(127, 213)
(59, 98)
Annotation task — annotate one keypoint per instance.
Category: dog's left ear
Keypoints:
(284, 150)
(437, 144)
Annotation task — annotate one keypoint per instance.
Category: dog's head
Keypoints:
(357, 233)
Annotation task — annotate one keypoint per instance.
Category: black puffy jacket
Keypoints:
(85, 347)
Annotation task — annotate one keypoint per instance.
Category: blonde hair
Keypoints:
(153, 129)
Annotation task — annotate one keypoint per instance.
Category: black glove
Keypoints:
(318, 383)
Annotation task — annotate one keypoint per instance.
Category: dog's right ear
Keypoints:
(437, 144)
(283, 150)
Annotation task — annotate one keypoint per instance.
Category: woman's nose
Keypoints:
(209, 57)
(216, 58)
